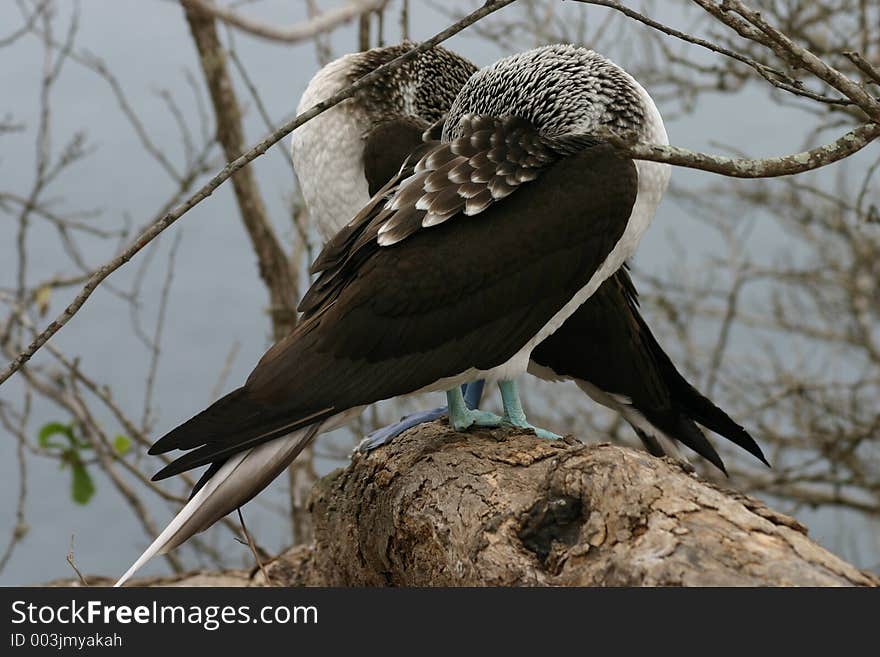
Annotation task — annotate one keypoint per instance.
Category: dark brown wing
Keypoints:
(387, 146)
(462, 294)
(607, 343)
(602, 343)
(440, 181)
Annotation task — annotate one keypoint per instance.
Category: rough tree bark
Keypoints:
(503, 508)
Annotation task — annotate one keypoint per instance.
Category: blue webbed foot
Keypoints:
(471, 393)
(462, 417)
(514, 415)
(540, 433)
(385, 435)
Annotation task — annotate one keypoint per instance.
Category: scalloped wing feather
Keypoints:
(488, 161)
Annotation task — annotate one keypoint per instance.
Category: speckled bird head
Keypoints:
(424, 87)
(560, 89)
(328, 150)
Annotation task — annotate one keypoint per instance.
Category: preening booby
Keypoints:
(605, 347)
(479, 248)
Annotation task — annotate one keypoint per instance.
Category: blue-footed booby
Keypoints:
(480, 247)
(605, 347)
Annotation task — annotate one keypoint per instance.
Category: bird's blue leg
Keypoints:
(472, 392)
(513, 411)
(461, 417)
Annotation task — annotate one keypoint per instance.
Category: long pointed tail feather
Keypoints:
(671, 423)
(236, 481)
(704, 411)
(697, 406)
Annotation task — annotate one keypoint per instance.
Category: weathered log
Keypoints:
(504, 508)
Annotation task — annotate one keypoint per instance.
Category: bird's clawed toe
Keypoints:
(475, 418)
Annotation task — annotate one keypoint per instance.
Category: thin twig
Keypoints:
(156, 342)
(253, 547)
(772, 75)
(753, 26)
(320, 24)
(218, 388)
(20, 530)
(866, 67)
(70, 560)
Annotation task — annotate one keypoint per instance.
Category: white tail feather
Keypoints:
(241, 477)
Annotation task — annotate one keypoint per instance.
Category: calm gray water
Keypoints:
(217, 299)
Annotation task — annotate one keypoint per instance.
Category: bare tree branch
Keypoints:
(863, 65)
(756, 28)
(770, 167)
(38, 11)
(20, 529)
(772, 75)
(319, 24)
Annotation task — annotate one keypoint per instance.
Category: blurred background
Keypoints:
(766, 293)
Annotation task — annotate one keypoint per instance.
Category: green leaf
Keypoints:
(122, 444)
(83, 487)
(53, 429)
